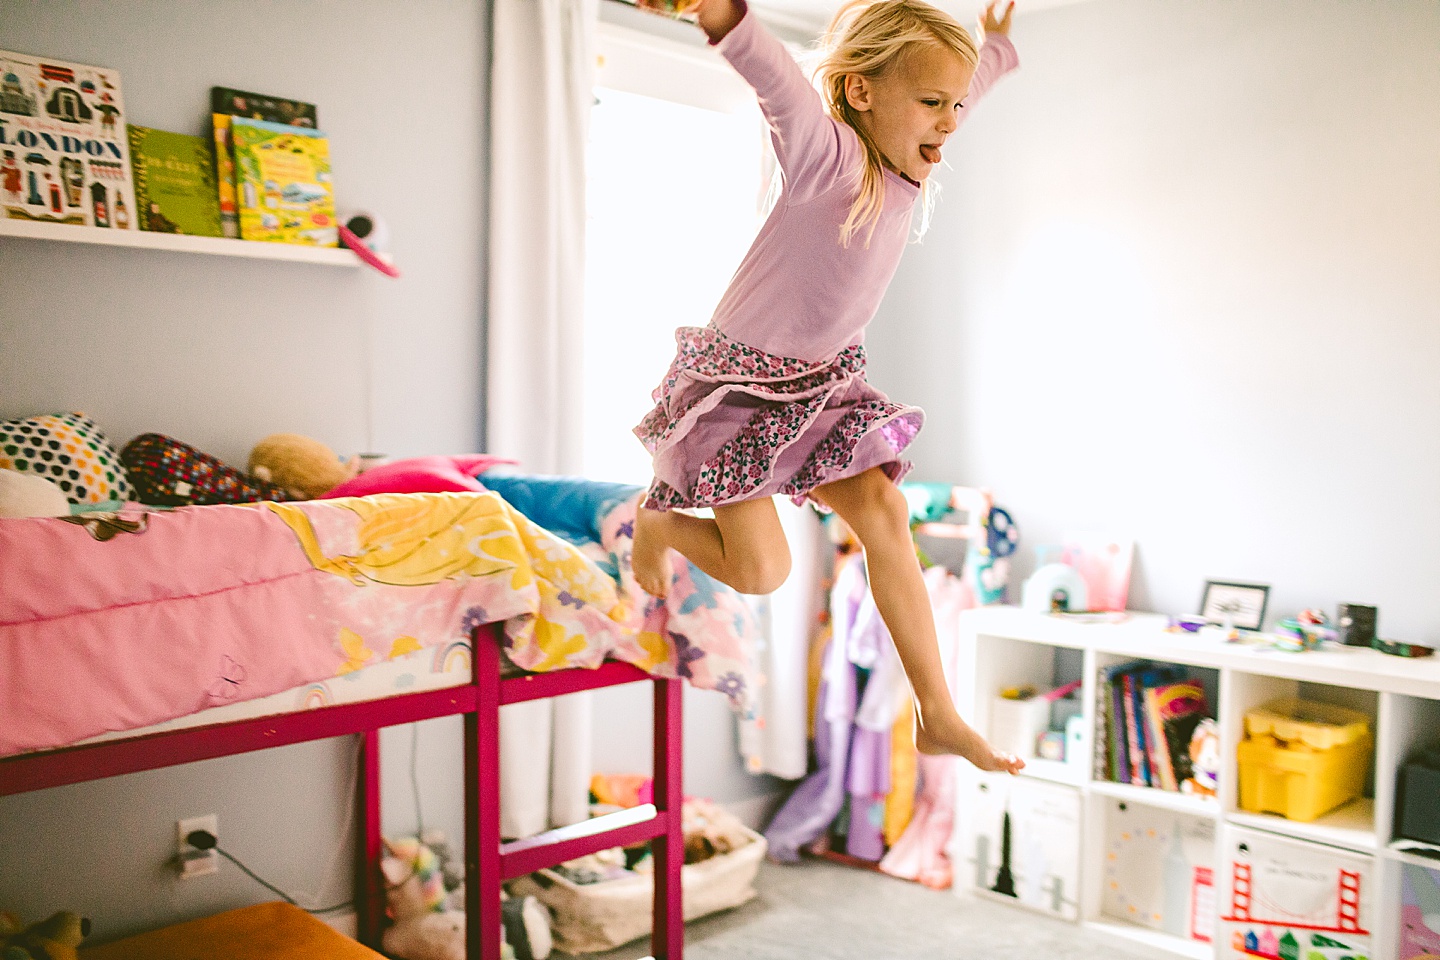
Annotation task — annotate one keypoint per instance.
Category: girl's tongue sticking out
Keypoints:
(930, 152)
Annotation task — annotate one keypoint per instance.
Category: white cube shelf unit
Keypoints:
(1004, 647)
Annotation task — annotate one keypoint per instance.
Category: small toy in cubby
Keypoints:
(1023, 842)
(1160, 870)
(1031, 724)
(1301, 759)
(1288, 899)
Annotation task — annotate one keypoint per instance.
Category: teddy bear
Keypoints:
(304, 467)
(56, 938)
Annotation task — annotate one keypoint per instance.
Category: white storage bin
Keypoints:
(1282, 895)
(594, 917)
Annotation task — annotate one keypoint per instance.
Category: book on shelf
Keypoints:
(282, 176)
(1160, 762)
(174, 183)
(1112, 705)
(227, 102)
(64, 156)
(1178, 709)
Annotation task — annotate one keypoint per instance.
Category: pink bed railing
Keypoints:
(488, 862)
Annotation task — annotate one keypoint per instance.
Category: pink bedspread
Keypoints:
(202, 606)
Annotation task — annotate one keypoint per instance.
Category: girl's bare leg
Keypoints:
(744, 546)
(876, 511)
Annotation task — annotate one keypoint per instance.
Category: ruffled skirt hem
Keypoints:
(733, 423)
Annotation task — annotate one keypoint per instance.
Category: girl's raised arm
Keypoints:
(807, 143)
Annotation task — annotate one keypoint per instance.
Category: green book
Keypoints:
(174, 183)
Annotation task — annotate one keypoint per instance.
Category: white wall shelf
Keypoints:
(218, 246)
(1006, 647)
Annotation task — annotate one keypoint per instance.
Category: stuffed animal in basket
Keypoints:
(429, 924)
(57, 938)
(710, 830)
(304, 467)
(421, 928)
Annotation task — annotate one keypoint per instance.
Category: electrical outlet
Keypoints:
(195, 862)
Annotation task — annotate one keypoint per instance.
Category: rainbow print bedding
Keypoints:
(117, 622)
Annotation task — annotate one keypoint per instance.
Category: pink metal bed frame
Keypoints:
(488, 862)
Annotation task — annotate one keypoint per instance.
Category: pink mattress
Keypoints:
(112, 623)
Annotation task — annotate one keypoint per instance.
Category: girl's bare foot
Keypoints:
(650, 555)
(960, 739)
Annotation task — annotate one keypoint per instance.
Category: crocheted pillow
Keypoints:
(69, 450)
(170, 473)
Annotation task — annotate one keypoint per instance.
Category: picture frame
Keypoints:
(1240, 605)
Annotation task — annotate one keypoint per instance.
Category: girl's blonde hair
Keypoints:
(869, 37)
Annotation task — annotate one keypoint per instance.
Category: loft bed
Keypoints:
(441, 563)
(488, 862)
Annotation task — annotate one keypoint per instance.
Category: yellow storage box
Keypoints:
(1303, 759)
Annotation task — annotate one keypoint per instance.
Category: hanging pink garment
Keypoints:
(920, 853)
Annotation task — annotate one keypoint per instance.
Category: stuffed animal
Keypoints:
(1205, 759)
(418, 931)
(429, 924)
(710, 830)
(57, 938)
(30, 495)
(304, 467)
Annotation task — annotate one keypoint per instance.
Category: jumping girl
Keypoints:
(771, 397)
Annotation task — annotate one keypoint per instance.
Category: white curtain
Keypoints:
(775, 740)
(542, 82)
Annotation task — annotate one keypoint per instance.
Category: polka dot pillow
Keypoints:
(68, 450)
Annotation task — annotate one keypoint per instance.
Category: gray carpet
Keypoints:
(819, 910)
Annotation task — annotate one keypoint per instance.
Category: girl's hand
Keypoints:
(990, 23)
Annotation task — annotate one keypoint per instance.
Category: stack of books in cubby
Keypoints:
(1152, 725)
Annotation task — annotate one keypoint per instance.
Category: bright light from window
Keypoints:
(673, 205)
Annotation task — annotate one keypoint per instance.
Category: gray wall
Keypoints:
(1183, 287)
(220, 352)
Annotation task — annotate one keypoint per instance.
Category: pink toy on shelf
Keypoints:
(362, 250)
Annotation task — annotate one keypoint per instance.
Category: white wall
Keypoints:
(219, 352)
(1183, 287)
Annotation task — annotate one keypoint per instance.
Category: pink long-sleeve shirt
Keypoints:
(798, 292)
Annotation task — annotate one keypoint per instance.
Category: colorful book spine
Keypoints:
(1138, 774)
(1120, 733)
(1104, 766)
(1159, 746)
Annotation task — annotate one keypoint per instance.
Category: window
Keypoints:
(676, 184)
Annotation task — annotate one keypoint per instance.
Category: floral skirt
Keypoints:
(732, 423)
